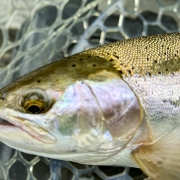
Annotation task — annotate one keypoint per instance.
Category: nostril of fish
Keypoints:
(3, 95)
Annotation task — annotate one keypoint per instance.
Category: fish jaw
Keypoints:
(19, 139)
(19, 124)
(28, 137)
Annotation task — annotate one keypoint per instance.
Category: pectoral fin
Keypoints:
(160, 160)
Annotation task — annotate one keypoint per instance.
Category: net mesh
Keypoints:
(36, 32)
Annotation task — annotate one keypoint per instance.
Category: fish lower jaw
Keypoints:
(7, 126)
(6, 123)
(43, 137)
(36, 132)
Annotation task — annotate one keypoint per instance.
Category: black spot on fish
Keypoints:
(80, 59)
(149, 74)
(120, 72)
(159, 162)
(73, 65)
(115, 55)
(111, 60)
(155, 61)
(147, 59)
(38, 81)
(94, 65)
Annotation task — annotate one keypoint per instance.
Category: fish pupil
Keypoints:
(34, 109)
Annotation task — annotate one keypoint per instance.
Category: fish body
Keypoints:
(118, 104)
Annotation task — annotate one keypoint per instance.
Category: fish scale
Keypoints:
(155, 94)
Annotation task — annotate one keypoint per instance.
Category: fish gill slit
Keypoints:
(96, 100)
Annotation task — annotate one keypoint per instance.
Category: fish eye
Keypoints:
(34, 101)
(34, 106)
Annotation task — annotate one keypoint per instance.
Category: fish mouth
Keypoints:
(35, 131)
(5, 123)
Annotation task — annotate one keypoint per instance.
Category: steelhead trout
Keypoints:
(118, 104)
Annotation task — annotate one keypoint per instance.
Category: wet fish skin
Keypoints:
(117, 104)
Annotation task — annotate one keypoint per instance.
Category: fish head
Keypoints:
(64, 111)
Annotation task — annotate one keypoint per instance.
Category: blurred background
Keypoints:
(36, 32)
